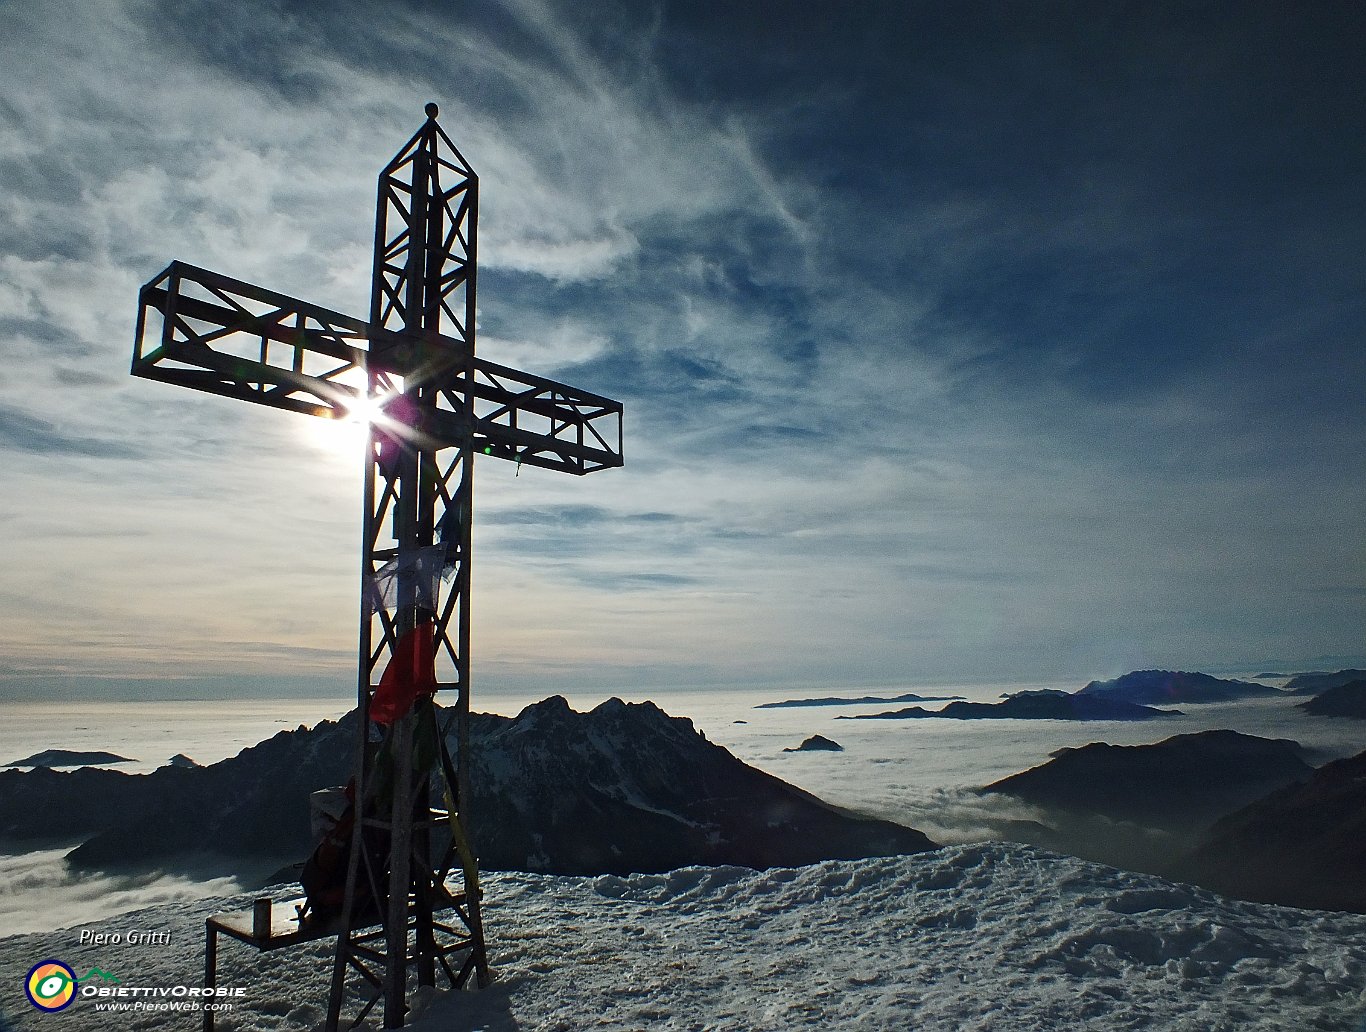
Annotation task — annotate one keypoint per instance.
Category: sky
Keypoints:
(958, 342)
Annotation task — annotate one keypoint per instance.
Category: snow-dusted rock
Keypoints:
(626, 787)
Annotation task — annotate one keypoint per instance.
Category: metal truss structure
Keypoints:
(434, 407)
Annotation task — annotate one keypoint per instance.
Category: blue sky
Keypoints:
(958, 341)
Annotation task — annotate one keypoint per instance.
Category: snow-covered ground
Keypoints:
(987, 936)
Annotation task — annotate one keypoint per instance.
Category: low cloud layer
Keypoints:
(39, 893)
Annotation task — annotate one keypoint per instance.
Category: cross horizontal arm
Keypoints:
(224, 336)
(541, 422)
(207, 331)
(527, 419)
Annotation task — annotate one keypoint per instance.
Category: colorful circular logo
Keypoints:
(51, 985)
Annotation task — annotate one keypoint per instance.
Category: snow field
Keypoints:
(985, 937)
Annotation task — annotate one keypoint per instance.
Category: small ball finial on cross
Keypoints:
(431, 110)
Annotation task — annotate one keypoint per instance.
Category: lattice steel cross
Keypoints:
(439, 407)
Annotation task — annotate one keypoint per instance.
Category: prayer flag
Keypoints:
(410, 675)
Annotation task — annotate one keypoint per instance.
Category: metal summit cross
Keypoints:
(432, 407)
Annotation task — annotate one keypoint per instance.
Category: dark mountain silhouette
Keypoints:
(1156, 687)
(622, 788)
(817, 743)
(1344, 700)
(1180, 784)
(860, 701)
(1037, 705)
(68, 758)
(1142, 807)
(254, 804)
(88, 800)
(1302, 846)
(1319, 681)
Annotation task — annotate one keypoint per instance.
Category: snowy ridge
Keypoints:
(993, 936)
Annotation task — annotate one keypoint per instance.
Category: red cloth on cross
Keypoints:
(410, 675)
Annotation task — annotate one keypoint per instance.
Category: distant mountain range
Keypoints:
(861, 700)
(1131, 696)
(623, 788)
(1032, 705)
(1155, 687)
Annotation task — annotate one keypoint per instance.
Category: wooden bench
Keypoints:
(285, 930)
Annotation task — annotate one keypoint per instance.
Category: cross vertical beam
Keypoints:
(423, 292)
(439, 406)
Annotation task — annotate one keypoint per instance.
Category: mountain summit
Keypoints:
(626, 787)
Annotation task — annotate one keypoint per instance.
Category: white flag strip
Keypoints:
(425, 567)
